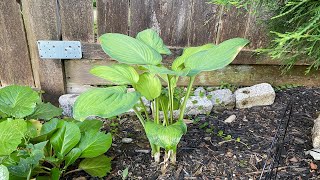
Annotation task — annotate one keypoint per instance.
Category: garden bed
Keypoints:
(203, 154)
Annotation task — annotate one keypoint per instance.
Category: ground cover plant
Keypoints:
(48, 148)
(140, 66)
(294, 28)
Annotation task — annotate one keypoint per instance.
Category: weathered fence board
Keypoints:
(170, 18)
(15, 65)
(94, 51)
(77, 73)
(41, 23)
(204, 23)
(112, 16)
(76, 20)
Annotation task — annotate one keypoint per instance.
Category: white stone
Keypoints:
(126, 140)
(316, 133)
(258, 95)
(66, 102)
(222, 98)
(200, 91)
(197, 105)
(230, 119)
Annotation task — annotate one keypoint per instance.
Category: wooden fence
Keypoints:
(181, 23)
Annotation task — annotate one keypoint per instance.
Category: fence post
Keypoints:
(15, 66)
(42, 22)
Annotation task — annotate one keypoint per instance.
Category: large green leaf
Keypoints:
(90, 125)
(128, 50)
(72, 156)
(121, 74)
(4, 173)
(94, 143)
(18, 101)
(165, 136)
(33, 128)
(11, 133)
(104, 102)
(149, 85)
(187, 52)
(25, 165)
(45, 111)
(65, 138)
(151, 38)
(216, 57)
(98, 166)
(163, 70)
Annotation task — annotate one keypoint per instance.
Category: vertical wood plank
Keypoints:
(15, 65)
(41, 22)
(112, 16)
(77, 20)
(204, 23)
(256, 29)
(233, 24)
(170, 18)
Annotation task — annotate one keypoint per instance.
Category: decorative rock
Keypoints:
(258, 95)
(200, 91)
(197, 105)
(66, 102)
(222, 99)
(230, 119)
(316, 133)
(126, 140)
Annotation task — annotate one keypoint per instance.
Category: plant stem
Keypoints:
(72, 171)
(183, 107)
(144, 108)
(170, 98)
(157, 110)
(138, 115)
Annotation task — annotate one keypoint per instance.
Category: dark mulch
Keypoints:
(203, 154)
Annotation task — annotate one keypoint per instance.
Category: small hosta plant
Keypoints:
(46, 149)
(140, 66)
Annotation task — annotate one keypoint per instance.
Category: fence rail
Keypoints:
(181, 23)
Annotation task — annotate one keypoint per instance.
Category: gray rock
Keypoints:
(197, 105)
(316, 133)
(230, 119)
(200, 91)
(258, 95)
(126, 140)
(222, 99)
(66, 102)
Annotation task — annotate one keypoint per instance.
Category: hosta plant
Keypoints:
(140, 66)
(31, 148)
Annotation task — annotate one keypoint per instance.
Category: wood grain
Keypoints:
(15, 64)
(204, 23)
(77, 20)
(170, 18)
(113, 16)
(77, 73)
(233, 24)
(41, 23)
(94, 51)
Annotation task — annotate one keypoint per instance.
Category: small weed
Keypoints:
(201, 94)
(204, 125)
(194, 102)
(196, 121)
(209, 96)
(285, 86)
(225, 85)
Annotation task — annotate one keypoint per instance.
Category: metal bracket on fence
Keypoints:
(59, 49)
